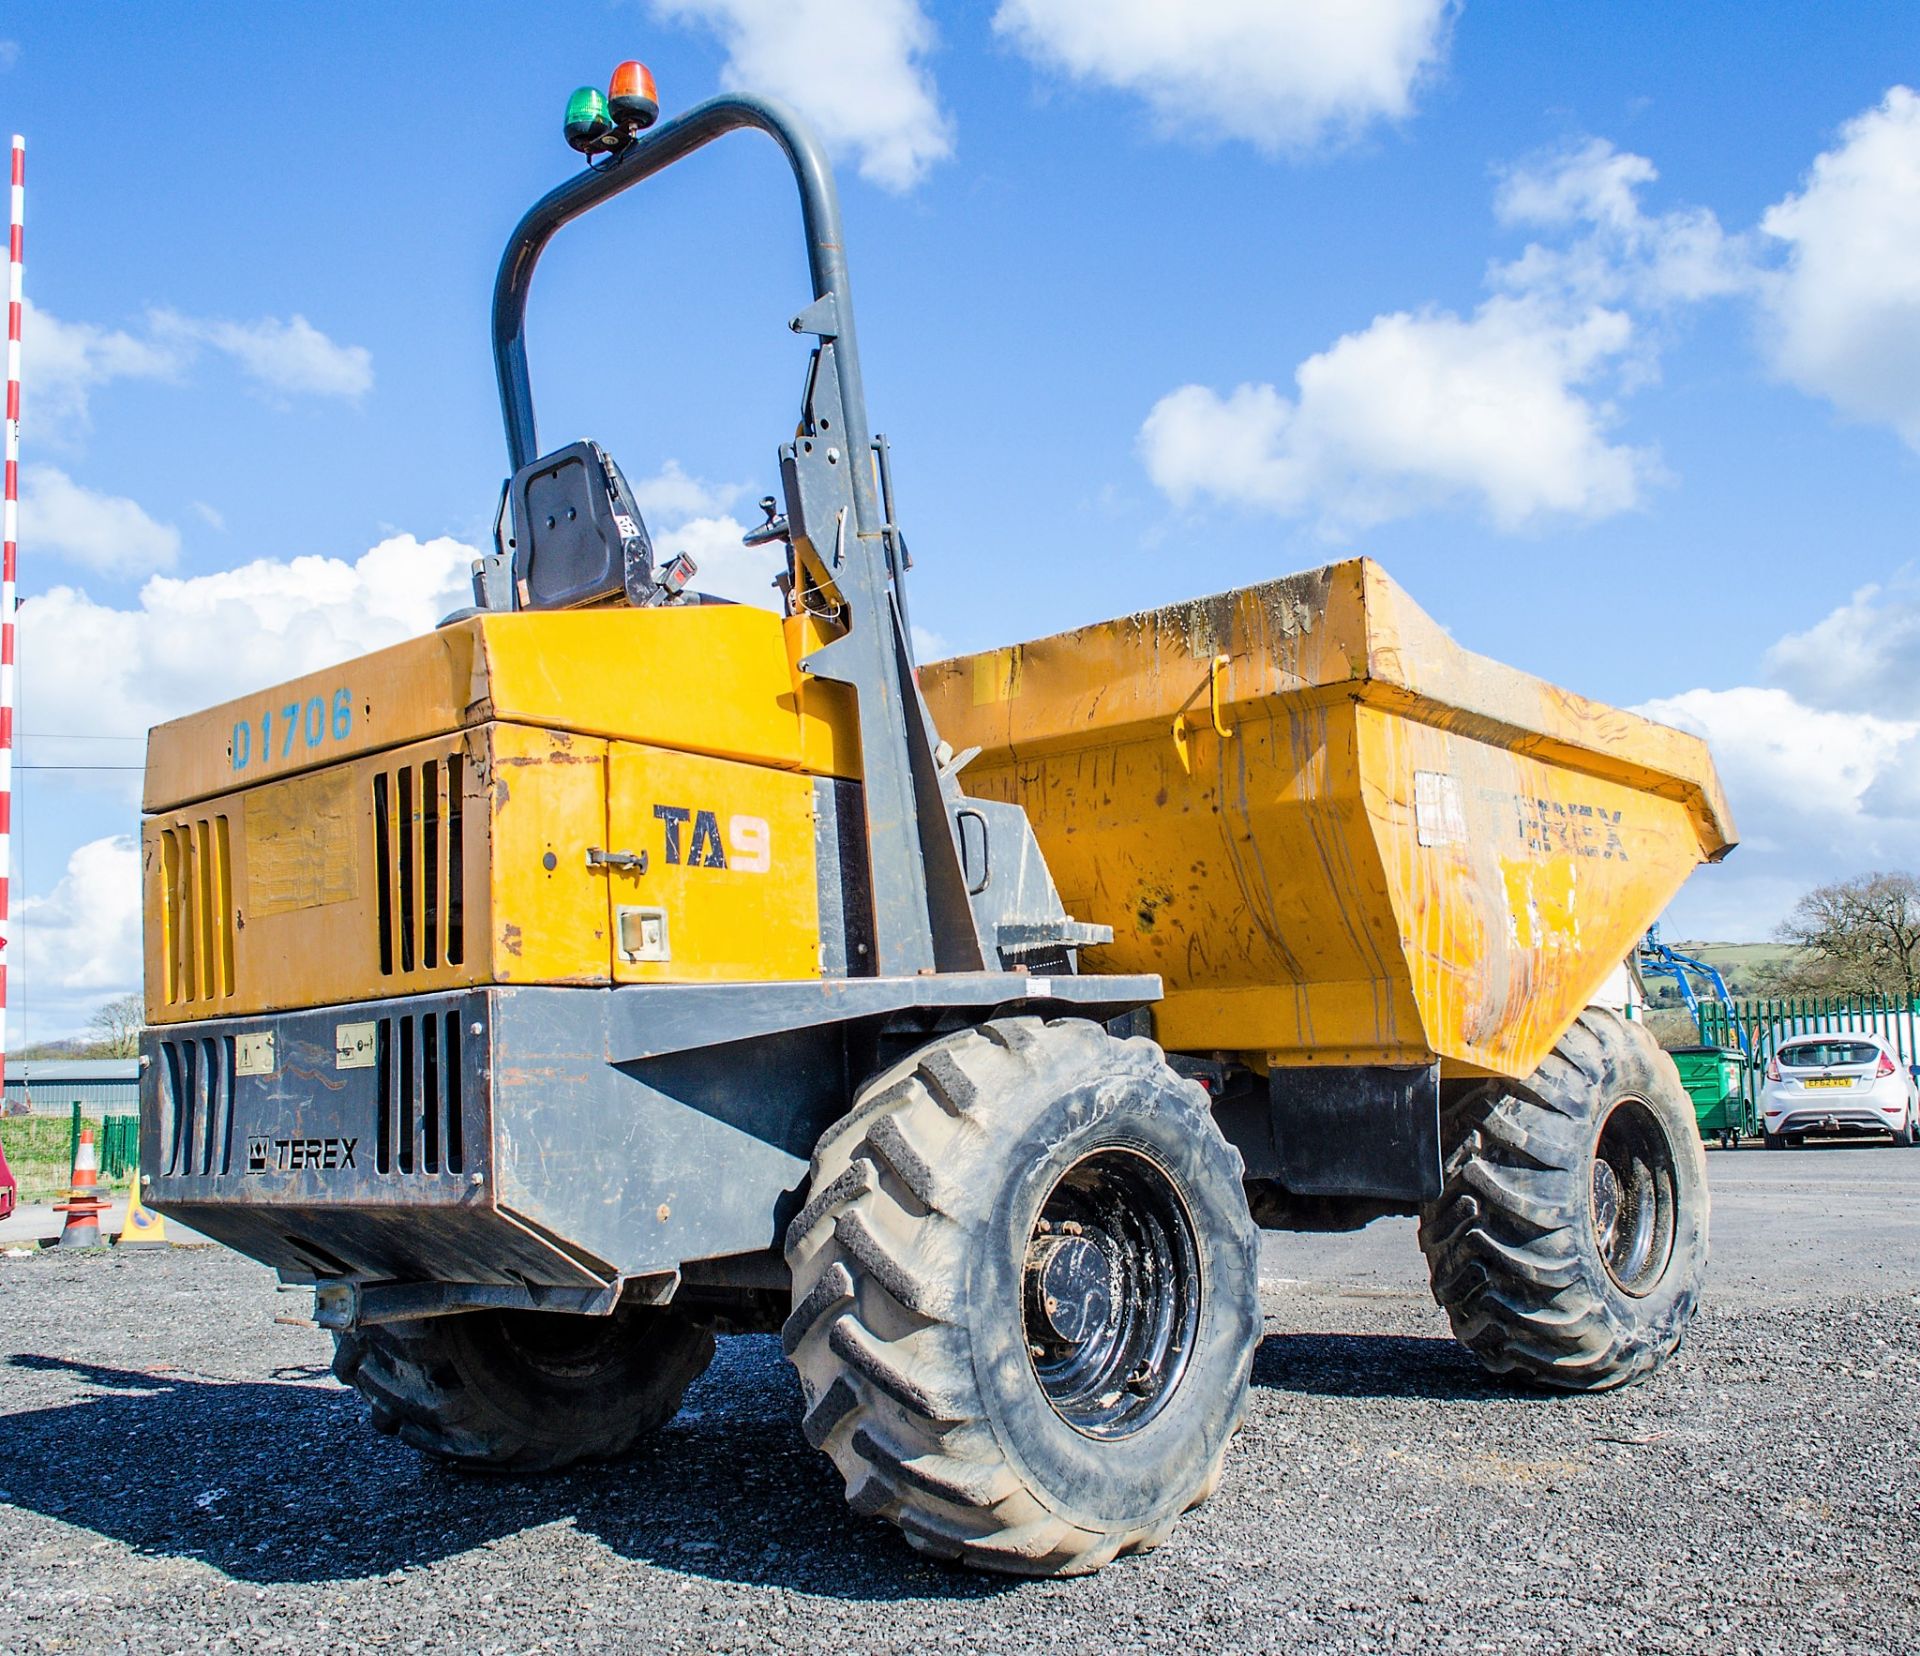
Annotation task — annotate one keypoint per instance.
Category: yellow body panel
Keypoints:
(1398, 850)
(719, 679)
(341, 884)
(420, 819)
(730, 859)
(546, 801)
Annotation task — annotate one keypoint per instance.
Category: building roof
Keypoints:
(31, 1072)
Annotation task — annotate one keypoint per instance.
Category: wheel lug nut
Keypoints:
(1071, 1227)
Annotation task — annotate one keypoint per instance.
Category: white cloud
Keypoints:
(1413, 412)
(9, 54)
(1621, 252)
(1863, 657)
(671, 493)
(855, 68)
(1512, 407)
(1844, 317)
(211, 516)
(1822, 768)
(1813, 791)
(63, 363)
(101, 531)
(84, 935)
(291, 356)
(1282, 74)
(192, 641)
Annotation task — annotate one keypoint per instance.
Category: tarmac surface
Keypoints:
(178, 1472)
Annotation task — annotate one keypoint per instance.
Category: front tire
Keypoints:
(1025, 1297)
(524, 1391)
(1569, 1241)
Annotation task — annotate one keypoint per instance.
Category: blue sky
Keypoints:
(1599, 325)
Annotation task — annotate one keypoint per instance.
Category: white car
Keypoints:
(1839, 1081)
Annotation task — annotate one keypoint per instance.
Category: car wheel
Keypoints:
(1773, 1140)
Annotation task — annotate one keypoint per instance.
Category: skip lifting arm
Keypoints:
(841, 542)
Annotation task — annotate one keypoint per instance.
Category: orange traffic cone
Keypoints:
(84, 1203)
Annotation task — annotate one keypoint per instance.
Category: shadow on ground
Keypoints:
(284, 1482)
(1374, 1365)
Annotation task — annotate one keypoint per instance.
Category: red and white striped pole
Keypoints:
(15, 264)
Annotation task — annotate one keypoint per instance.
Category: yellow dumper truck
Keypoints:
(615, 968)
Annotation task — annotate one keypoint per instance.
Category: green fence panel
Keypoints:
(119, 1145)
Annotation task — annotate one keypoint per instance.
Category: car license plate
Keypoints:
(1830, 1081)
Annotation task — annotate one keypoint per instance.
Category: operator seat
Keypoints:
(578, 536)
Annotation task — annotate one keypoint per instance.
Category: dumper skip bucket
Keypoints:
(1337, 836)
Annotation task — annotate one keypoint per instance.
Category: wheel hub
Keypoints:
(1606, 1204)
(1635, 1196)
(1068, 1286)
(1111, 1292)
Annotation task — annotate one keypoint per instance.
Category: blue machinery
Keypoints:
(1656, 959)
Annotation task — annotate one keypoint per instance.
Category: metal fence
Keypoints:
(1768, 1022)
(118, 1147)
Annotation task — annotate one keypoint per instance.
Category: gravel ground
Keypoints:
(178, 1472)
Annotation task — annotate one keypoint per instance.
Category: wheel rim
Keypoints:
(1111, 1293)
(1635, 1196)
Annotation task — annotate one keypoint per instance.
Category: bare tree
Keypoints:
(1856, 937)
(117, 1026)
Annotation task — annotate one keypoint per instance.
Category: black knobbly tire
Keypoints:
(524, 1391)
(1025, 1297)
(1569, 1241)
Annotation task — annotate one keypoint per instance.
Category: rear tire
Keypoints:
(1025, 1297)
(1569, 1240)
(524, 1391)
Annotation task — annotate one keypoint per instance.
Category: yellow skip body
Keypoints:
(1396, 851)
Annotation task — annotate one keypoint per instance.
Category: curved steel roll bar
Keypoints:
(831, 313)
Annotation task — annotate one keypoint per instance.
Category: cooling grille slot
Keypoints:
(197, 912)
(419, 865)
(196, 1105)
(417, 1127)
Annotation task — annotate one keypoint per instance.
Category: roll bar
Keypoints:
(831, 314)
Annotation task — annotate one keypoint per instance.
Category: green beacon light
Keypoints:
(589, 127)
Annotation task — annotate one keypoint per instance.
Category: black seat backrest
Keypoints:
(578, 536)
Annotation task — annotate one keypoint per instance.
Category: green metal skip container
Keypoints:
(1715, 1079)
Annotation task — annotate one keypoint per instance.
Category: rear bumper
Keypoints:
(540, 1137)
(1842, 1118)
